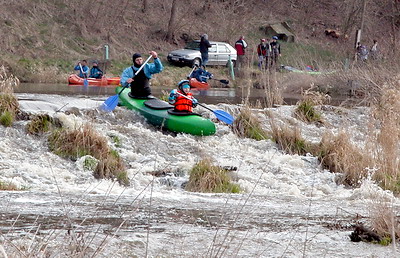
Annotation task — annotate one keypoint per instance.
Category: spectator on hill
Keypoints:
(268, 56)
(362, 52)
(95, 72)
(82, 68)
(261, 52)
(374, 50)
(275, 51)
(204, 46)
(140, 85)
(240, 47)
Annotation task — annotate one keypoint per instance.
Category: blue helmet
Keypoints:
(183, 83)
(275, 37)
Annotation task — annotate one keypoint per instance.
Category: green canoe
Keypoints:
(161, 114)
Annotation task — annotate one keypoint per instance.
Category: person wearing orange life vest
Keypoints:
(182, 98)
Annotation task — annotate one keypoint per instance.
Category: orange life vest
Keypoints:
(182, 103)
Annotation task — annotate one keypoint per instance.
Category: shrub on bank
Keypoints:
(248, 125)
(6, 119)
(84, 141)
(205, 177)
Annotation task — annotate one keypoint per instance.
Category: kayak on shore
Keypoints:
(74, 79)
(198, 85)
(161, 114)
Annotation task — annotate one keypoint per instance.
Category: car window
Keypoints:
(222, 49)
(193, 45)
(213, 48)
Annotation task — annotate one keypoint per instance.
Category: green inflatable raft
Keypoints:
(161, 114)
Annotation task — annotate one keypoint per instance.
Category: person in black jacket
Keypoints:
(95, 72)
(276, 51)
(204, 45)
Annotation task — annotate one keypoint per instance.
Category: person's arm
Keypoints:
(126, 75)
(208, 44)
(155, 67)
(172, 97)
(92, 73)
(244, 44)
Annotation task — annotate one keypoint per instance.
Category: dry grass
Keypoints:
(86, 141)
(289, 139)
(248, 125)
(384, 144)
(205, 177)
(7, 81)
(40, 124)
(306, 110)
(9, 105)
(8, 187)
(337, 154)
(384, 221)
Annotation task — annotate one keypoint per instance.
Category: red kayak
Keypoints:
(74, 79)
(194, 83)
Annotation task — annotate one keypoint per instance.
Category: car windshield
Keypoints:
(194, 45)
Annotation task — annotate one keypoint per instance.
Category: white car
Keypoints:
(218, 54)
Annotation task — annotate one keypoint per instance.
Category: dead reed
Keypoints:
(83, 141)
(248, 125)
(205, 177)
(9, 105)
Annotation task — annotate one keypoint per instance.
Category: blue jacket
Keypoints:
(85, 70)
(201, 75)
(149, 69)
(95, 72)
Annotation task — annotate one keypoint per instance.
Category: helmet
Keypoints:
(262, 40)
(183, 83)
(274, 37)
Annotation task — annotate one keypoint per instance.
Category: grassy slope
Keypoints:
(43, 39)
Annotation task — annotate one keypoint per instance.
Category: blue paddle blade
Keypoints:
(223, 116)
(85, 83)
(110, 104)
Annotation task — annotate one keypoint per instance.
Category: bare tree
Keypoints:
(172, 21)
(145, 4)
(394, 24)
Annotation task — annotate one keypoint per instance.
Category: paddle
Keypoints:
(220, 114)
(221, 80)
(194, 67)
(112, 102)
(85, 81)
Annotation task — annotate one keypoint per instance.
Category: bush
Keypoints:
(8, 102)
(306, 111)
(205, 177)
(6, 119)
(85, 141)
(39, 124)
(247, 125)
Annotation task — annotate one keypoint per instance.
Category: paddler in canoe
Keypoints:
(139, 83)
(182, 99)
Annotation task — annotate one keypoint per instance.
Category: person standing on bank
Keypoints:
(261, 52)
(276, 51)
(240, 47)
(374, 50)
(140, 83)
(204, 46)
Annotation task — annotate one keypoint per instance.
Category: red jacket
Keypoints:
(182, 103)
(240, 46)
(262, 50)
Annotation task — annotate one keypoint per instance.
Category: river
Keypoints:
(289, 206)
